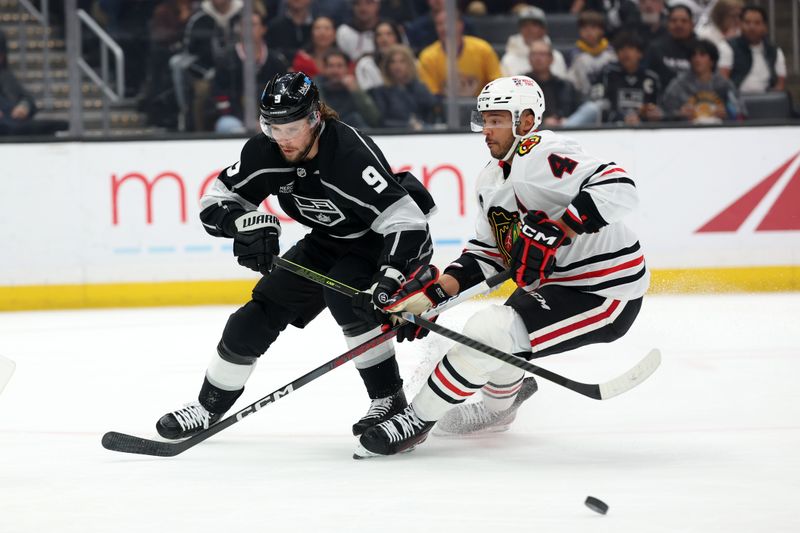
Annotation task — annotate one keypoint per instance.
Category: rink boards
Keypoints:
(116, 223)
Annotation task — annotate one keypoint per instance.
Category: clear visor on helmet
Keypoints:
(290, 130)
(480, 120)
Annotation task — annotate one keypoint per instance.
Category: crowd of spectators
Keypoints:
(382, 63)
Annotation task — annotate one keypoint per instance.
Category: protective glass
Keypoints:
(290, 130)
(478, 123)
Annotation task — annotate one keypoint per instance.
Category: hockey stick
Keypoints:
(316, 277)
(603, 391)
(121, 442)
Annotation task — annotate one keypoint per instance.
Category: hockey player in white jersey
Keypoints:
(553, 214)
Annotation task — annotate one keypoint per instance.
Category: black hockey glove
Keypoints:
(417, 295)
(533, 255)
(368, 305)
(255, 242)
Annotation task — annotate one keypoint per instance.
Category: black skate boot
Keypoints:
(186, 421)
(380, 410)
(401, 433)
(476, 419)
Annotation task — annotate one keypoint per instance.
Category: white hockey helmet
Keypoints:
(514, 94)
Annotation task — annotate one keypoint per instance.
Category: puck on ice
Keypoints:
(596, 505)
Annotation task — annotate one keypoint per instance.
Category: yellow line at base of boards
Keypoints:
(38, 297)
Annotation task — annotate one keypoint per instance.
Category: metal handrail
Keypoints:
(43, 19)
(110, 44)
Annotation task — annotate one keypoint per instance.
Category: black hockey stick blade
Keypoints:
(630, 379)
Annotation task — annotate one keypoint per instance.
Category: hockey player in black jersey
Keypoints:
(368, 230)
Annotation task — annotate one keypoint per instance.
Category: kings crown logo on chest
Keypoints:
(505, 226)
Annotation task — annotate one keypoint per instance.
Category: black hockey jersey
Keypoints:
(346, 191)
(624, 92)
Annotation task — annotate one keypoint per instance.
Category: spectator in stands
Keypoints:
(669, 56)
(628, 92)
(336, 10)
(17, 105)
(701, 95)
(399, 11)
(338, 88)
(618, 13)
(422, 32)
(209, 31)
(357, 37)
(228, 89)
(477, 62)
(757, 65)
(561, 97)
(532, 27)
(167, 27)
(652, 25)
(290, 31)
(723, 24)
(368, 72)
(591, 52)
(310, 60)
(403, 101)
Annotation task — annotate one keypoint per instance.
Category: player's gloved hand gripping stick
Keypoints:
(121, 442)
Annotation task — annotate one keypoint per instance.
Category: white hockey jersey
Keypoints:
(547, 172)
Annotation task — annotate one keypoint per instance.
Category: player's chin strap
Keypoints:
(517, 138)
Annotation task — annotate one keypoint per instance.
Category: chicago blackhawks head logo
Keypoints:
(505, 226)
(527, 144)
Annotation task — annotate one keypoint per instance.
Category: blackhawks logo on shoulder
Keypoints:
(527, 144)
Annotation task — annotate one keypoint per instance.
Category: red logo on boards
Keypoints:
(783, 214)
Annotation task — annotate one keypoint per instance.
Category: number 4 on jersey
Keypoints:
(559, 165)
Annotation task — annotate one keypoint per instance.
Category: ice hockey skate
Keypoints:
(476, 419)
(380, 410)
(186, 421)
(401, 433)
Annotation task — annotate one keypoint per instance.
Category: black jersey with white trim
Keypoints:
(346, 191)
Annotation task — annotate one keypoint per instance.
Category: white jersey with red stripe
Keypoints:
(547, 172)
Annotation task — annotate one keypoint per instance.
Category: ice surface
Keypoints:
(709, 444)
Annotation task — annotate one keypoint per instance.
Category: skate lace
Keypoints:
(191, 415)
(402, 425)
(476, 413)
(379, 407)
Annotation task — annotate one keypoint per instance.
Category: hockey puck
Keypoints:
(596, 505)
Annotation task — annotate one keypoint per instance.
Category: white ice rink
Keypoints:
(711, 443)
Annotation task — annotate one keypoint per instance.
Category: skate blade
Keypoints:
(442, 433)
(363, 453)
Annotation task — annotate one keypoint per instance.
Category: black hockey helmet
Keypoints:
(288, 97)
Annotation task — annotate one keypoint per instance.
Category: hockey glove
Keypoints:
(368, 305)
(255, 242)
(533, 255)
(417, 295)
